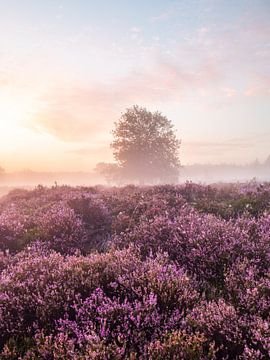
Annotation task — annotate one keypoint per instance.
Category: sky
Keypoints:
(70, 68)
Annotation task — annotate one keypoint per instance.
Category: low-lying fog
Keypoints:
(198, 173)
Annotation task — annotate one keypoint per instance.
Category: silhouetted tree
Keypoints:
(109, 171)
(145, 147)
(267, 161)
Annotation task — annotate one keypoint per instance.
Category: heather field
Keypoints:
(161, 272)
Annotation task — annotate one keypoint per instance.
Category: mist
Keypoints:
(197, 173)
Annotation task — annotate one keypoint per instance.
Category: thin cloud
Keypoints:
(217, 146)
(93, 151)
(258, 86)
(230, 145)
(165, 15)
(75, 114)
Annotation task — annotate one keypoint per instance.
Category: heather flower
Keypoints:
(157, 272)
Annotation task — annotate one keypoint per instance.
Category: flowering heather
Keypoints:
(163, 272)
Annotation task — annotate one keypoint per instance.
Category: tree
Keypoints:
(145, 147)
(267, 161)
(109, 171)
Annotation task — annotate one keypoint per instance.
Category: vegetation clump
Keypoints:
(154, 272)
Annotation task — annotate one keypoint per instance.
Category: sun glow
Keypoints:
(18, 137)
(14, 111)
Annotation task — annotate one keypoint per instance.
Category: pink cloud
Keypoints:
(212, 62)
(77, 113)
(229, 92)
(259, 86)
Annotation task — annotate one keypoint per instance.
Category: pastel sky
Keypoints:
(69, 68)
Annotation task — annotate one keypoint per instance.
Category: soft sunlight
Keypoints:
(134, 179)
(16, 138)
(68, 70)
(14, 111)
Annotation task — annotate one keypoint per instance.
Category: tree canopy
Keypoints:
(145, 147)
